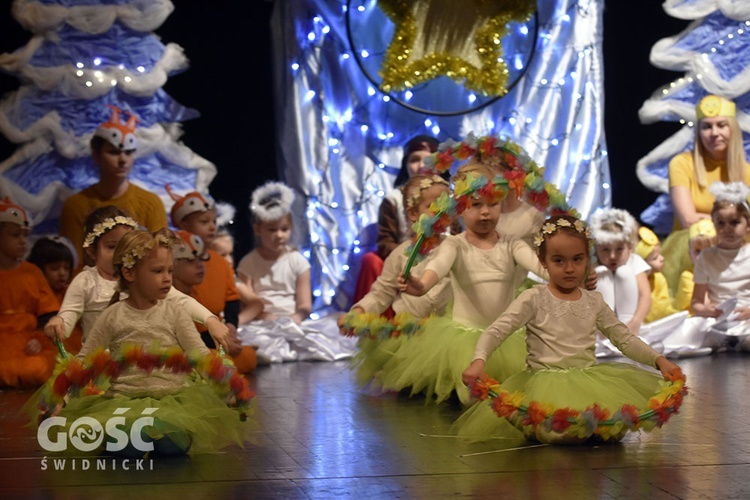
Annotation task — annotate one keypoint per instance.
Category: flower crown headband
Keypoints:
(131, 258)
(520, 174)
(412, 199)
(105, 225)
(550, 228)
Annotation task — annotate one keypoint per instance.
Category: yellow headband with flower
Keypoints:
(132, 257)
(704, 227)
(106, 225)
(714, 105)
(647, 241)
(549, 228)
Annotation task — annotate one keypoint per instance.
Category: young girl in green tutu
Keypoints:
(380, 338)
(563, 396)
(481, 264)
(151, 353)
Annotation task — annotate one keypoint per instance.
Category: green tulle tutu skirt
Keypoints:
(194, 420)
(372, 355)
(600, 403)
(433, 359)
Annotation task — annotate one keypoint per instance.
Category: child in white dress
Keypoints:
(622, 275)
(92, 289)
(150, 350)
(280, 276)
(385, 300)
(721, 296)
(564, 396)
(482, 267)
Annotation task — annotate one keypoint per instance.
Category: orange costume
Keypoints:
(24, 297)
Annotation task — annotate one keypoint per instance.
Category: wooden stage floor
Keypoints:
(321, 437)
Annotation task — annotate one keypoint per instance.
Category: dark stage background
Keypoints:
(229, 83)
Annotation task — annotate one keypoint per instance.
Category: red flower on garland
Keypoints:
(502, 407)
(535, 415)
(441, 224)
(133, 354)
(177, 363)
(516, 180)
(444, 160)
(464, 151)
(75, 372)
(511, 161)
(462, 203)
(560, 422)
(599, 413)
(487, 147)
(100, 363)
(631, 413)
(61, 385)
(480, 389)
(540, 199)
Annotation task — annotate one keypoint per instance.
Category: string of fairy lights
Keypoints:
(378, 121)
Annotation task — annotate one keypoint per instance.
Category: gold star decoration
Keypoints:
(458, 39)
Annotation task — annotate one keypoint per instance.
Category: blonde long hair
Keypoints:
(132, 248)
(735, 154)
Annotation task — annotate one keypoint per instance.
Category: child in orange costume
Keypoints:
(26, 303)
(190, 258)
(56, 257)
(196, 214)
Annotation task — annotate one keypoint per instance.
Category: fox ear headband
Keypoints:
(188, 204)
(189, 246)
(120, 135)
(271, 201)
(10, 212)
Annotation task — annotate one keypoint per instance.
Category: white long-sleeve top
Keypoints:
(561, 334)
(385, 290)
(482, 281)
(89, 294)
(166, 324)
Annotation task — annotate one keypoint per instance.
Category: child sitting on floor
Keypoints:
(562, 375)
(27, 357)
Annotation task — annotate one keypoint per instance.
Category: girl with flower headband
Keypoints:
(562, 382)
(27, 357)
(92, 289)
(113, 151)
(721, 296)
(280, 276)
(482, 266)
(385, 298)
(143, 330)
(393, 225)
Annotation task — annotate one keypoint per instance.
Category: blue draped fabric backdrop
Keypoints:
(76, 62)
(340, 138)
(712, 55)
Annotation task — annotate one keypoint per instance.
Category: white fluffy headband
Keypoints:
(618, 217)
(271, 201)
(732, 192)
